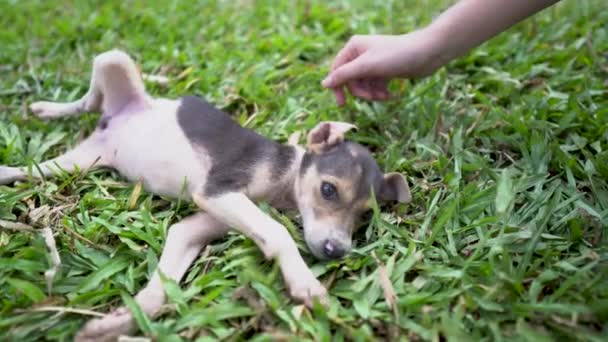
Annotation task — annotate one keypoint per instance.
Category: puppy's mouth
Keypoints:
(317, 254)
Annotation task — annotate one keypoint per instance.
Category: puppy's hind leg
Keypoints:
(120, 82)
(89, 153)
(115, 83)
(90, 102)
(184, 241)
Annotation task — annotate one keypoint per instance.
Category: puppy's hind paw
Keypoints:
(48, 110)
(10, 174)
(108, 328)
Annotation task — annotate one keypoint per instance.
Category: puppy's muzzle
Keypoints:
(333, 249)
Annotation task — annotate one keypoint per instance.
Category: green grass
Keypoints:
(506, 150)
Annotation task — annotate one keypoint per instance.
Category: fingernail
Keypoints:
(327, 82)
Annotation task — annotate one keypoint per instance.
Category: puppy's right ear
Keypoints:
(326, 135)
(394, 188)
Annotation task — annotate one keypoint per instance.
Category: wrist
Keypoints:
(435, 47)
(441, 47)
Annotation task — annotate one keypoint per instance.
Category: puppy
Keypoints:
(186, 148)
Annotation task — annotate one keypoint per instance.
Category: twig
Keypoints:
(64, 310)
(49, 240)
(16, 226)
(123, 338)
(80, 237)
(158, 79)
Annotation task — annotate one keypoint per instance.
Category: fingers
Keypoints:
(361, 89)
(346, 54)
(367, 89)
(379, 89)
(340, 96)
(355, 69)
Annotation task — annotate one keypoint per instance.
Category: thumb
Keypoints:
(347, 72)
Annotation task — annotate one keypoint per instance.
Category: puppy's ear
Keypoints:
(394, 188)
(326, 135)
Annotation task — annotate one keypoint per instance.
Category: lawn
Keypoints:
(505, 149)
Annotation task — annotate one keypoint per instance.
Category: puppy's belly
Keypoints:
(160, 176)
(150, 147)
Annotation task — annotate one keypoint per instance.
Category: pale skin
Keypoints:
(367, 63)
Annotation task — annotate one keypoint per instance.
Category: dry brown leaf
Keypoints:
(134, 196)
(387, 286)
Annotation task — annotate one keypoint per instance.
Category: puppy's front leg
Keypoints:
(239, 212)
(184, 241)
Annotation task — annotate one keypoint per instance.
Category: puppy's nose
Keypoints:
(333, 250)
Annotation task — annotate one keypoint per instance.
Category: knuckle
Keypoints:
(354, 40)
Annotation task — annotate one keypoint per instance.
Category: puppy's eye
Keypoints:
(329, 191)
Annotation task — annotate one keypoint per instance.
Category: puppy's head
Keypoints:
(334, 188)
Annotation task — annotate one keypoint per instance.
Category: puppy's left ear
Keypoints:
(394, 188)
(327, 134)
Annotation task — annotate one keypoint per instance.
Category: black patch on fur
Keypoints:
(234, 150)
(282, 160)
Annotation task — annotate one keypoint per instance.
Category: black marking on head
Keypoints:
(372, 175)
(307, 160)
(341, 162)
(284, 157)
(234, 150)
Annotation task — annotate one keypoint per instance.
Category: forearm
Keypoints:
(469, 23)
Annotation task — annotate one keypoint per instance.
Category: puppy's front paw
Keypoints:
(47, 110)
(304, 287)
(108, 328)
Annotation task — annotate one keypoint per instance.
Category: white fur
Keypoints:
(150, 146)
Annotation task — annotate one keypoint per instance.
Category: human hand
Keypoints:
(367, 63)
